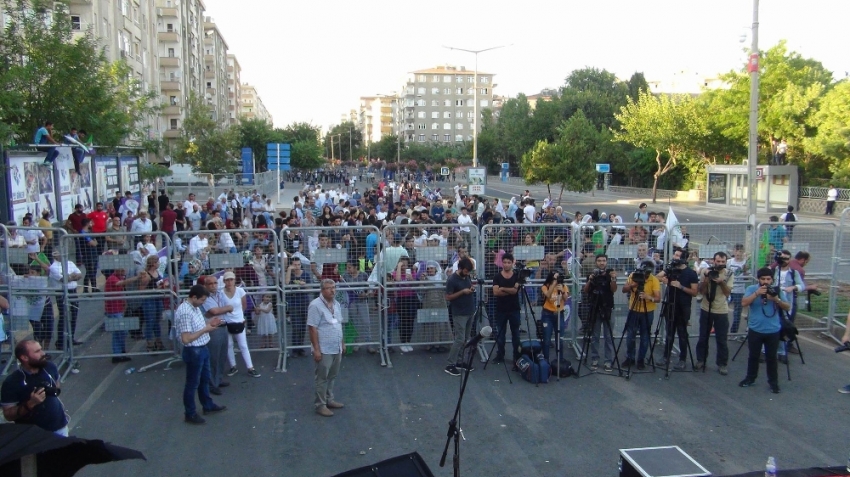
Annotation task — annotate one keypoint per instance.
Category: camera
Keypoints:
(600, 279)
(714, 271)
(672, 269)
(49, 389)
(523, 273)
(772, 290)
(560, 279)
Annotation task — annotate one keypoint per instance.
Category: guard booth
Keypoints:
(776, 190)
(603, 176)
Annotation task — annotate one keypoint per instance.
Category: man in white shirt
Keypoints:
(34, 238)
(141, 226)
(190, 203)
(56, 276)
(529, 211)
(198, 244)
(831, 197)
(464, 219)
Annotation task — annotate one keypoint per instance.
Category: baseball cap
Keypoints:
(229, 275)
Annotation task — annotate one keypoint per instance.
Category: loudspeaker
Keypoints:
(410, 465)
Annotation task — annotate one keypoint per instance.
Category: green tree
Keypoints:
(47, 74)
(669, 125)
(205, 145)
(256, 134)
(515, 128)
(832, 140)
(346, 139)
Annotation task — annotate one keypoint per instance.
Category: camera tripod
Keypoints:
(641, 305)
(788, 343)
(596, 310)
(669, 317)
(477, 317)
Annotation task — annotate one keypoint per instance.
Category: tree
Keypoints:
(832, 121)
(47, 74)
(515, 128)
(206, 146)
(345, 138)
(256, 134)
(669, 125)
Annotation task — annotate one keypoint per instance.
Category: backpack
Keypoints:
(534, 371)
(566, 368)
(790, 217)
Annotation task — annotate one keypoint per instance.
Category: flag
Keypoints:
(672, 220)
(163, 253)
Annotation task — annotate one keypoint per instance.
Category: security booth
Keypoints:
(776, 188)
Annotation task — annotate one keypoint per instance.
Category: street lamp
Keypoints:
(475, 98)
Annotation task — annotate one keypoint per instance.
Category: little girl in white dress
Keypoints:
(266, 326)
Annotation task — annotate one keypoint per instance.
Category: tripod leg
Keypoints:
(797, 344)
(739, 348)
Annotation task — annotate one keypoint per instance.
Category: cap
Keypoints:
(229, 275)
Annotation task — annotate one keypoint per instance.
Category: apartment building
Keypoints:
(234, 89)
(252, 105)
(215, 72)
(375, 118)
(438, 104)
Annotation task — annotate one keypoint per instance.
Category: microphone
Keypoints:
(484, 333)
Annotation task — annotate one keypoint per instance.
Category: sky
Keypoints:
(311, 61)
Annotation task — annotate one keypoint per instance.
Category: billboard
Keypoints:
(106, 178)
(128, 176)
(717, 188)
(477, 180)
(34, 187)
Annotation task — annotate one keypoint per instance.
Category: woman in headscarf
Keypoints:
(435, 298)
(500, 209)
(512, 207)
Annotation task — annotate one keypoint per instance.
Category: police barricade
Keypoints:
(254, 258)
(119, 295)
(542, 252)
(811, 245)
(839, 297)
(346, 255)
(25, 284)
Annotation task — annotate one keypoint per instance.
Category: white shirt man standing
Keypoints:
(324, 322)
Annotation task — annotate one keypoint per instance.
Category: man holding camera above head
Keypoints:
(30, 395)
(715, 285)
(599, 288)
(767, 303)
(682, 282)
(645, 292)
(506, 286)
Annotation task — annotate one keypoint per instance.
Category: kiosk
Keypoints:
(776, 190)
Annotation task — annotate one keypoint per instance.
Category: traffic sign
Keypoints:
(444, 171)
(603, 168)
(759, 173)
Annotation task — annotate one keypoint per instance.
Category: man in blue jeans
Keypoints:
(194, 334)
(506, 291)
(44, 135)
(645, 292)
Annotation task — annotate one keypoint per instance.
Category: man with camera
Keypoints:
(715, 285)
(767, 303)
(682, 282)
(791, 282)
(645, 292)
(506, 286)
(30, 395)
(599, 288)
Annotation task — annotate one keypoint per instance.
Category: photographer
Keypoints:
(791, 282)
(645, 292)
(506, 286)
(30, 395)
(682, 287)
(767, 303)
(715, 285)
(599, 288)
(555, 296)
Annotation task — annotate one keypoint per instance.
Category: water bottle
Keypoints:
(770, 467)
(848, 464)
(129, 371)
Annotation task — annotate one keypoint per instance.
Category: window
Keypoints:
(470, 114)
(447, 114)
(447, 102)
(483, 91)
(447, 137)
(435, 102)
(410, 137)
(435, 78)
(484, 79)
(76, 23)
(447, 79)
(421, 126)
(459, 138)
(459, 79)
(435, 125)
(458, 102)
(447, 91)
(447, 126)
(421, 78)
(470, 79)
(172, 100)
(420, 90)
(459, 91)
(459, 126)
(485, 103)
(125, 7)
(435, 114)
(420, 138)
(209, 84)
(171, 52)
(169, 27)
(420, 114)
(174, 123)
(435, 137)
(435, 90)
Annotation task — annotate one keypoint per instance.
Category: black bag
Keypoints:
(236, 328)
(788, 332)
(566, 368)
(531, 348)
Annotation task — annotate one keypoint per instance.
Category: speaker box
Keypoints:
(410, 465)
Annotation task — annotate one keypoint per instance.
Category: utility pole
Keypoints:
(752, 151)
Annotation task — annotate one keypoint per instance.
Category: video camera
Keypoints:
(672, 269)
(714, 271)
(600, 279)
(523, 274)
(641, 275)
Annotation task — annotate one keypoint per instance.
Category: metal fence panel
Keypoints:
(839, 294)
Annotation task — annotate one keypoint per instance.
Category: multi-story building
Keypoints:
(437, 104)
(686, 82)
(234, 89)
(375, 119)
(252, 105)
(215, 72)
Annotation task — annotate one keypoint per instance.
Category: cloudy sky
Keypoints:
(312, 60)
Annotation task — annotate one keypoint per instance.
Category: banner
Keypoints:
(23, 187)
(106, 178)
(66, 177)
(129, 176)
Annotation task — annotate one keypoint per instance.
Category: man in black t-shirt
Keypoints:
(506, 290)
(459, 294)
(30, 395)
(678, 300)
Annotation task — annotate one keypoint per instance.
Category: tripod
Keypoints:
(455, 432)
(671, 320)
(593, 316)
(788, 342)
(644, 315)
(479, 311)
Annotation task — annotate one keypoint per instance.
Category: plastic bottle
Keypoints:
(133, 370)
(770, 467)
(848, 464)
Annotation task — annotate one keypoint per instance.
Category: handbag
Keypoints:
(236, 328)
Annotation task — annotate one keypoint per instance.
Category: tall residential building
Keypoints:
(252, 105)
(234, 89)
(375, 119)
(215, 72)
(437, 104)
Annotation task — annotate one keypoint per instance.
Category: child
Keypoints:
(266, 326)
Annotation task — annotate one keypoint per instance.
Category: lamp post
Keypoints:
(475, 98)
(752, 151)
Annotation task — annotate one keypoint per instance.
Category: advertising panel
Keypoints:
(106, 178)
(128, 176)
(717, 188)
(477, 180)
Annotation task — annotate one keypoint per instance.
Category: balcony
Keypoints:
(169, 85)
(167, 12)
(168, 36)
(172, 61)
(209, 74)
(171, 110)
(171, 133)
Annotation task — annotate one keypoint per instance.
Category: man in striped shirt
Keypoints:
(194, 333)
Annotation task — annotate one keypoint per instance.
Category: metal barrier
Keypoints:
(840, 259)
(31, 294)
(132, 303)
(255, 258)
(820, 240)
(346, 255)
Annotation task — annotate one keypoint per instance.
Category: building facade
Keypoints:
(375, 117)
(252, 105)
(215, 72)
(234, 89)
(437, 104)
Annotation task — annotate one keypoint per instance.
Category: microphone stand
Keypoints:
(454, 431)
